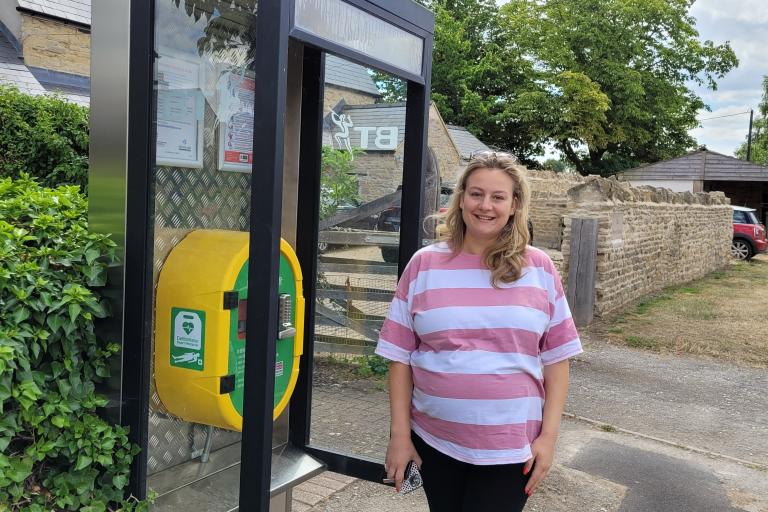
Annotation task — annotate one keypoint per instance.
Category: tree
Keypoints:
(477, 76)
(759, 153)
(612, 76)
(552, 164)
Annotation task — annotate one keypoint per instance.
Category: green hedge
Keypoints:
(56, 453)
(44, 136)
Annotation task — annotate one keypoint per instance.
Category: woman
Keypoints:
(478, 334)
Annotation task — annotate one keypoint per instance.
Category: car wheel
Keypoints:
(390, 254)
(741, 249)
(322, 247)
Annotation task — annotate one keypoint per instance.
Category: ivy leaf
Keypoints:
(20, 315)
(91, 255)
(120, 481)
(74, 311)
(83, 461)
(19, 470)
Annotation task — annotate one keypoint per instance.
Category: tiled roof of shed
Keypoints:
(699, 165)
(350, 75)
(465, 142)
(72, 10)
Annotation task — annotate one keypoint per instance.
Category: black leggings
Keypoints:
(455, 486)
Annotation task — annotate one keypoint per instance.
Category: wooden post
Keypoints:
(582, 264)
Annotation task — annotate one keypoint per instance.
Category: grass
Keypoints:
(718, 316)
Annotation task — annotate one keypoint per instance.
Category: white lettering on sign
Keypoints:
(386, 137)
(364, 135)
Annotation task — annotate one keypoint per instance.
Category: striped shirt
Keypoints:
(477, 352)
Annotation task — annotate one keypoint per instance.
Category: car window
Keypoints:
(752, 218)
(739, 217)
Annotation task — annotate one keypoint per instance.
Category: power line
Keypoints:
(727, 115)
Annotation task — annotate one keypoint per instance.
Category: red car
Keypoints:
(749, 236)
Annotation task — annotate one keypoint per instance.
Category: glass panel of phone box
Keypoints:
(361, 177)
(202, 187)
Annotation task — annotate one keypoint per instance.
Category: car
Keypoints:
(749, 236)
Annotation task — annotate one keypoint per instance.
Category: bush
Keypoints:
(338, 181)
(56, 453)
(44, 136)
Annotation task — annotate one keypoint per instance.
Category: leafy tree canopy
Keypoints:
(611, 76)
(759, 154)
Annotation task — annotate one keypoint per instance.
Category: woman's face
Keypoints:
(487, 204)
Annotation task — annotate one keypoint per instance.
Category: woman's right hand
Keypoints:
(399, 453)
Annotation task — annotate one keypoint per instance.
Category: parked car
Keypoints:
(749, 236)
(389, 220)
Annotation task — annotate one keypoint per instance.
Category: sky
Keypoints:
(745, 24)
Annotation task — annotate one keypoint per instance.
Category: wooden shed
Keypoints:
(745, 183)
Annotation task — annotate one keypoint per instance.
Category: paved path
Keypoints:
(699, 403)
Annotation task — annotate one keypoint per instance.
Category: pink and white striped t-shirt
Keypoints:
(477, 352)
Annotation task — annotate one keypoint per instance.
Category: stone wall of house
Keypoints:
(56, 46)
(334, 94)
(648, 238)
(549, 202)
(448, 157)
(380, 172)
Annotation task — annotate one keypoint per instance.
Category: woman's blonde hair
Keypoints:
(506, 256)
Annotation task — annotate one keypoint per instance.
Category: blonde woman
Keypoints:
(478, 337)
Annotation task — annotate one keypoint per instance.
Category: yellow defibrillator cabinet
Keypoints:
(202, 294)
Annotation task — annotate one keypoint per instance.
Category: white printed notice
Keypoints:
(236, 122)
(180, 107)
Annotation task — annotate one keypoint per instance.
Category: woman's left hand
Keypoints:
(543, 454)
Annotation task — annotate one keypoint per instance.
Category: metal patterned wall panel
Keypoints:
(188, 199)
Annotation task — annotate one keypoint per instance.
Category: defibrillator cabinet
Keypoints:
(201, 323)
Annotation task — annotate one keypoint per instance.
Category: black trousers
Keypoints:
(455, 486)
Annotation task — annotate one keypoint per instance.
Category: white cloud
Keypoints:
(745, 11)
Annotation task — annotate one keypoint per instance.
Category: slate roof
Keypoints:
(465, 142)
(14, 72)
(347, 74)
(702, 164)
(78, 11)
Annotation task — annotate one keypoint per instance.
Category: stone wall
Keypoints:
(55, 46)
(448, 157)
(380, 172)
(549, 201)
(648, 238)
(334, 94)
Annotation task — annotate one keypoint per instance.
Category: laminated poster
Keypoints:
(236, 97)
(180, 107)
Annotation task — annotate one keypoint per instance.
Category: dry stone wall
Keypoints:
(648, 238)
(549, 205)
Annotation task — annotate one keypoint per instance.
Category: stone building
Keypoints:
(45, 47)
(378, 129)
(744, 183)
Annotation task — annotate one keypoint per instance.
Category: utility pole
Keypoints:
(749, 136)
